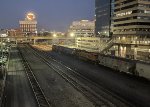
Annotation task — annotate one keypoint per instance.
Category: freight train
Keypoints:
(133, 67)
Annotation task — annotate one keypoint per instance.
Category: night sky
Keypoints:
(51, 14)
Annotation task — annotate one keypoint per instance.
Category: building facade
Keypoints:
(14, 32)
(131, 21)
(91, 44)
(131, 28)
(29, 25)
(103, 9)
(83, 28)
(3, 33)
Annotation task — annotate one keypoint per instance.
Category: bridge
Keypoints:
(34, 38)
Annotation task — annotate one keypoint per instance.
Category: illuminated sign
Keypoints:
(30, 16)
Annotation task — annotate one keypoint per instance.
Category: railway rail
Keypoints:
(85, 90)
(39, 94)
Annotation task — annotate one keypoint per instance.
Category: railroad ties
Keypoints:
(107, 99)
(39, 94)
(97, 100)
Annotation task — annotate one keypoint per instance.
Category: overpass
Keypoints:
(34, 38)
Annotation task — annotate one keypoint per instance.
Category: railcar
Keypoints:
(64, 50)
(133, 67)
(89, 56)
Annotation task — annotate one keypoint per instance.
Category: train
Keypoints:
(82, 54)
(129, 66)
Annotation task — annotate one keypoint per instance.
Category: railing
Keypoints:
(106, 46)
(137, 41)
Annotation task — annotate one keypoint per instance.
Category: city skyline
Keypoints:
(75, 53)
(51, 15)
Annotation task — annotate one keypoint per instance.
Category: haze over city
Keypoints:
(51, 14)
(75, 53)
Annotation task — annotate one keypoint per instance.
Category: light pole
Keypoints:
(54, 35)
(2, 54)
(73, 36)
(55, 39)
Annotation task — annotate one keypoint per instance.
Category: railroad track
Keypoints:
(90, 94)
(77, 85)
(38, 93)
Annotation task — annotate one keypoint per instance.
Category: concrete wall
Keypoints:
(116, 63)
(119, 64)
(143, 70)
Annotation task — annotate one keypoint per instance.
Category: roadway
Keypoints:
(18, 92)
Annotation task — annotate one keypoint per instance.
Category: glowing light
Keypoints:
(124, 14)
(54, 35)
(30, 16)
(72, 34)
(123, 38)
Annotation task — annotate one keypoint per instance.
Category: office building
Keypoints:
(131, 28)
(131, 21)
(83, 28)
(29, 25)
(103, 11)
(91, 44)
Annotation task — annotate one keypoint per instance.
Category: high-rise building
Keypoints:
(131, 28)
(131, 20)
(103, 17)
(83, 28)
(29, 25)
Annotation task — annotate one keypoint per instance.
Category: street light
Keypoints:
(54, 35)
(72, 34)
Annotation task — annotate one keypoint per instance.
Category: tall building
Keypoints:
(131, 28)
(103, 17)
(29, 25)
(83, 28)
(131, 20)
